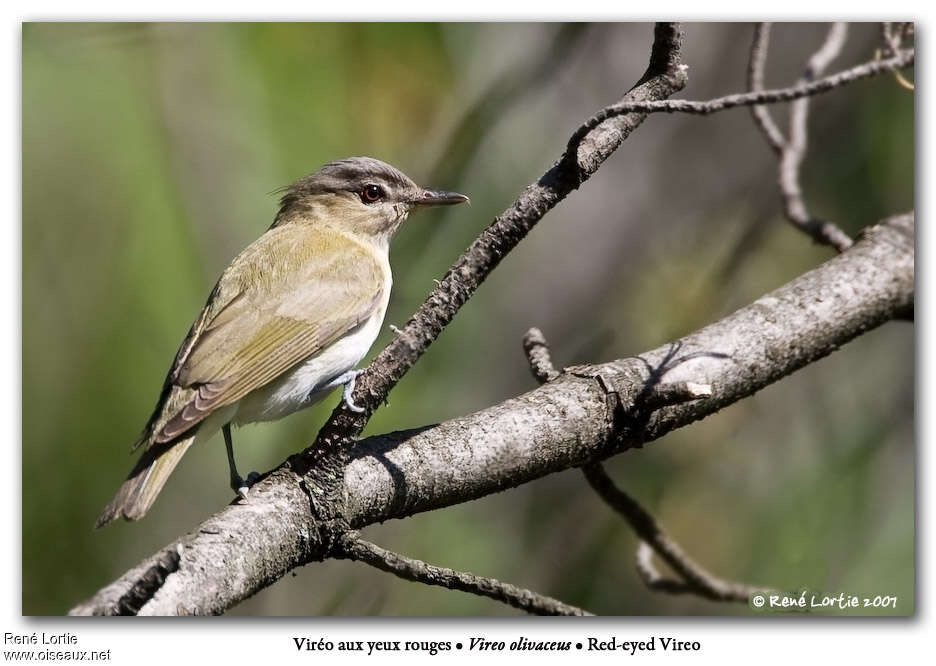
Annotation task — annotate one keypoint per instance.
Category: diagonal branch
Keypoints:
(665, 75)
(319, 468)
(568, 422)
(695, 578)
(781, 95)
(355, 548)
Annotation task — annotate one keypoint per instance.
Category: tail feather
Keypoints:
(142, 486)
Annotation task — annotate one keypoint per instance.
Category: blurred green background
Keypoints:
(150, 152)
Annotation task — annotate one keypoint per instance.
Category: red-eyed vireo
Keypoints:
(286, 323)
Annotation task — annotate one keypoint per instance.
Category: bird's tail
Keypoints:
(141, 488)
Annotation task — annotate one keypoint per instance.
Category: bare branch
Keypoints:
(906, 30)
(675, 393)
(664, 76)
(699, 581)
(756, 64)
(565, 423)
(147, 585)
(824, 85)
(794, 151)
(696, 579)
(891, 38)
(537, 351)
(656, 394)
(652, 578)
(319, 468)
(893, 34)
(351, 546)
(355, 548)
(829, 51)
(568, 422)
(791, 152)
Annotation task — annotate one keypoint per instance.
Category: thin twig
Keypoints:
(893, 35)
(794, 151)
(781, 95)
(891, 38)
(756, 64)
(538, 356)
(652, 578)
(353, 547)
(697, 579)
(791, 152)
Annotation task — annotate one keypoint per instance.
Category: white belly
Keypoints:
(307, 382)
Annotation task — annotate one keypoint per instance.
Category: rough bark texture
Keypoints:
(588, 413)
(665, 76)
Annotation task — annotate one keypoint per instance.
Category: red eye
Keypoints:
(371, 193)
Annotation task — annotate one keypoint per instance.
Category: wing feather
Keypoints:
(297, 303)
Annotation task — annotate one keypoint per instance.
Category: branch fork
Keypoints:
(310, 507)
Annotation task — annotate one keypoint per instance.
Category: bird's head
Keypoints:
(358, 194)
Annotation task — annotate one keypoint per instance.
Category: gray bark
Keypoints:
(588, 413)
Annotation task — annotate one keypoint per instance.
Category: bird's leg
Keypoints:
(237, 483)
(347, 378)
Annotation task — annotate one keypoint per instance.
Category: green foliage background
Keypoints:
(149, 155)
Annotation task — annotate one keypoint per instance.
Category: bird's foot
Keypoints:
(348, 379)
(241, 487)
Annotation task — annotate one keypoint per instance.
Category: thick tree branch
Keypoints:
(570, 421)
(694, 578)
(319, 468)
(143, 590)
(355, 548)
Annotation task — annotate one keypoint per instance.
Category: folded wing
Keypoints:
(300, 294)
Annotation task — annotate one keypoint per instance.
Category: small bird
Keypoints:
(286, 323)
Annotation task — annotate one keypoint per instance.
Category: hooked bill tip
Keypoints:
(438, 198)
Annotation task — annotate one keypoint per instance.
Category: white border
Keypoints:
(243, 639)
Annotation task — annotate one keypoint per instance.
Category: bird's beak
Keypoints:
(436, 198)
